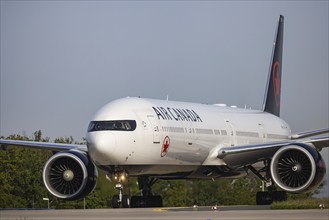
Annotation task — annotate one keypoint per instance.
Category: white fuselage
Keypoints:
(176, 136)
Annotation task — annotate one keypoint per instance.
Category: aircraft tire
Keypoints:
(279, 196)
(264, 198)
(137, 202)
(146, 202)
(125, 201)
(115, 202)
(154, 201)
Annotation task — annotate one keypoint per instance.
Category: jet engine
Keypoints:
(297, 168)
(70, 175)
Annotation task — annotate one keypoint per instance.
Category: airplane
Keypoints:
(161, 139)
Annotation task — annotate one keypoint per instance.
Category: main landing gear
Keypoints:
(266, 198)
(147, 199)
(272, 195)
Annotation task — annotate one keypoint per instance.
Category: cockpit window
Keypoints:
(117, 125)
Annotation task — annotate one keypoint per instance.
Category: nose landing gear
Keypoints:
(120, 199)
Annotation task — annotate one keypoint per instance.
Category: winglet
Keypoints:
(273, 89)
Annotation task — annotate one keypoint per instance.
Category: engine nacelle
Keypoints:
(297, 168)
(70, 175)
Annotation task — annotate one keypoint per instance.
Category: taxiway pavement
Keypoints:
(202, 213)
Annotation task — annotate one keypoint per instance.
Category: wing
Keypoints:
(318, 142)
(238, 156)
(42, 145)
(310, 133)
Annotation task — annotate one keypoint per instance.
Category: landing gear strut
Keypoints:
(147, 199)
(272, 195)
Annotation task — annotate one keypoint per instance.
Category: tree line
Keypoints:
(21, 184)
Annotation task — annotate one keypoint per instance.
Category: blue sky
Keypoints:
(63, 60)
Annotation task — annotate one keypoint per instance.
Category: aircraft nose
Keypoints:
(101, 147)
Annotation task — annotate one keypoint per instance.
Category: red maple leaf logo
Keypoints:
(165, 146)
(276, 82)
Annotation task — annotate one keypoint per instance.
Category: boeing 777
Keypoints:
(160, 139)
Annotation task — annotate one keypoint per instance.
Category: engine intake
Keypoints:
(297, 168)
(70, 175)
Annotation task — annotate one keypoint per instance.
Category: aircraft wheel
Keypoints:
(115, 201)
(154, 201)
(264, 198)
(279, 196)
(137, 202)
(146, 202)
(125, 201)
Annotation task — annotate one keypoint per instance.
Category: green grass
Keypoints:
(310, 203)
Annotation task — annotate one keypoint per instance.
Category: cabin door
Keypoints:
(230, 132)
(155, 129)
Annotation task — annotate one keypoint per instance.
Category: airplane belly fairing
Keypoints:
(179, 172)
